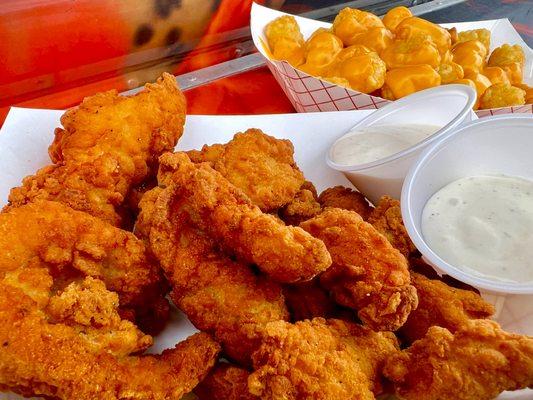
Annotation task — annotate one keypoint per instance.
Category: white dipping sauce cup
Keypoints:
(448, 106)
(501, 145)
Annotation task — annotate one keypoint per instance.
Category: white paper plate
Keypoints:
(27, 133)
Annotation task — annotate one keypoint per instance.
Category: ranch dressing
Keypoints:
(483, 225)
(372, 143)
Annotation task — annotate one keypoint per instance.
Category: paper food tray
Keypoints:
(310, 94)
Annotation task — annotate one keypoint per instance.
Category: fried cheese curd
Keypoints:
(285, 40)
(412, 51)
(402, 54)
(401, 82)
(502, 95)
(481, 83)
(351, 22)
(470, 55)
(482, 35)
(395, 16)
(320, 51)
(511, 59)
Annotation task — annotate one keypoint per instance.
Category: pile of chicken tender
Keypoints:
(297, 295)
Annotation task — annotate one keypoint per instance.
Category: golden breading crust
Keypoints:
(73, 244)
(308, 300)
(368, 274)
(320, 359)
(61, 334)
(387, 219)
(442, 305)
(347, 199)
(260, 165)
(478, 362)
(302, 207)
(287, 254)
(225, 382)
(219, 295)
(109, 144)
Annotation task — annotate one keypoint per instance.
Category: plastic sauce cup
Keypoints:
(447, 106)
(499, 145)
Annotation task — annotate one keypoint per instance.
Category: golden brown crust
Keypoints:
(478, 362)
(105, 134)
(285, 253)
(302, 207)
(442, 305)
(387, 219)
(308, 300)
(219, 295)
(225, 382)
(260, 165)
(61, 333)
(347, 199)
(367, 274)
(320, 359)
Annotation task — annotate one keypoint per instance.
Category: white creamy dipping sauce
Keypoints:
(375, 142)
(483, 225)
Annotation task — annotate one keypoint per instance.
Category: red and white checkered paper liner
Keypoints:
(310, 94)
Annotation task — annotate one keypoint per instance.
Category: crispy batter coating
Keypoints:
(260, 165)
(478, 362)
(225, 212)
(387, 219)
(225, 382)
(308, 300)
(320, 359)
(442, 305)
(92, 310)
(502, 95)
(301, 208)
(347, 199)
(220, 296)
(73, 244)
(368, 274)
(109, 144)
(61, 332)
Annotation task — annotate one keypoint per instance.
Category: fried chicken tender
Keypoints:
(220, 296)
(478, 362)
(368, 274)
(288, 254)
(347, 199)
(444, 306)
(320, 359)
(260, 165)
(225, 382)
(39, 358)
(61, 333)
(387, 219)
(502, 95)
(109, 144)
(73, 244)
